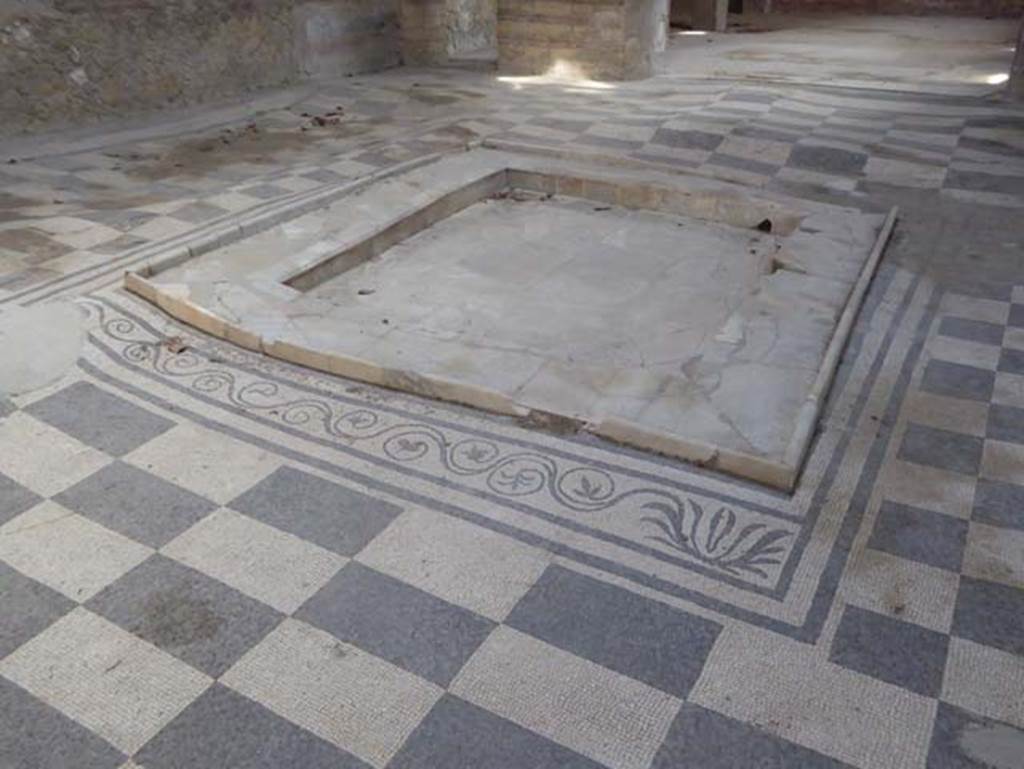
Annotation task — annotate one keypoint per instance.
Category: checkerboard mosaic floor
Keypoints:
(210, 559)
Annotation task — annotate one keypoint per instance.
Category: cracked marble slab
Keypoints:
(685, 316)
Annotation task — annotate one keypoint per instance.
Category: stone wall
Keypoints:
(435, 31)
(915, 7)
(341, 37)
(600, 39)
(69, 62)
(424, 31)
(472, 25)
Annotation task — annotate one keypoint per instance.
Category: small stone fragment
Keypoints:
(175, 345)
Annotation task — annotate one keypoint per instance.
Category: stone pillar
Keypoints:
(721, 15)
(424, 32)
(1015, 88)
(661, 31)
(597, 39)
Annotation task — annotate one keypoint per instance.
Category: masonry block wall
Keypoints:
(435, 31)
(602, 39)
(423, 31)
(67, 62)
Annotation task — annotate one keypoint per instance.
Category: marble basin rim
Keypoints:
(247, 284)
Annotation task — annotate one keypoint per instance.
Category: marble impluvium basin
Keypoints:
(676, 314)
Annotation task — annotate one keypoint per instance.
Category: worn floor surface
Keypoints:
(209, 559)
(936, 54)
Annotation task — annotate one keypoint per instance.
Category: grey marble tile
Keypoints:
(34, 735)
(958, 381)
(1005, 423)
(186, 613)
(119, 245)
(891, 650)
(562, 124)
(944, 449)
(1011, 361)
(26, 608)
(972, 330)
(99, 419)
(995, 121)
(325, 176)
(987, 145)
(920, 535)
(828, 160)
(969, 285)
(1016, 315)
(697, 140)
(999, 503)
(120, 219)
(21, 279)
(702, 739)
(197, 213)
(335, 517)
(991, 614)
(135, 503)
(742, 164)
(978, 181)
(963, 740)
(14, 498)
(459, 735)
(643, 639)
(224, 730)
(386, 617)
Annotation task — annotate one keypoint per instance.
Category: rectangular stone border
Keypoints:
(912, 297)
(785, 474)
(782, 474)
